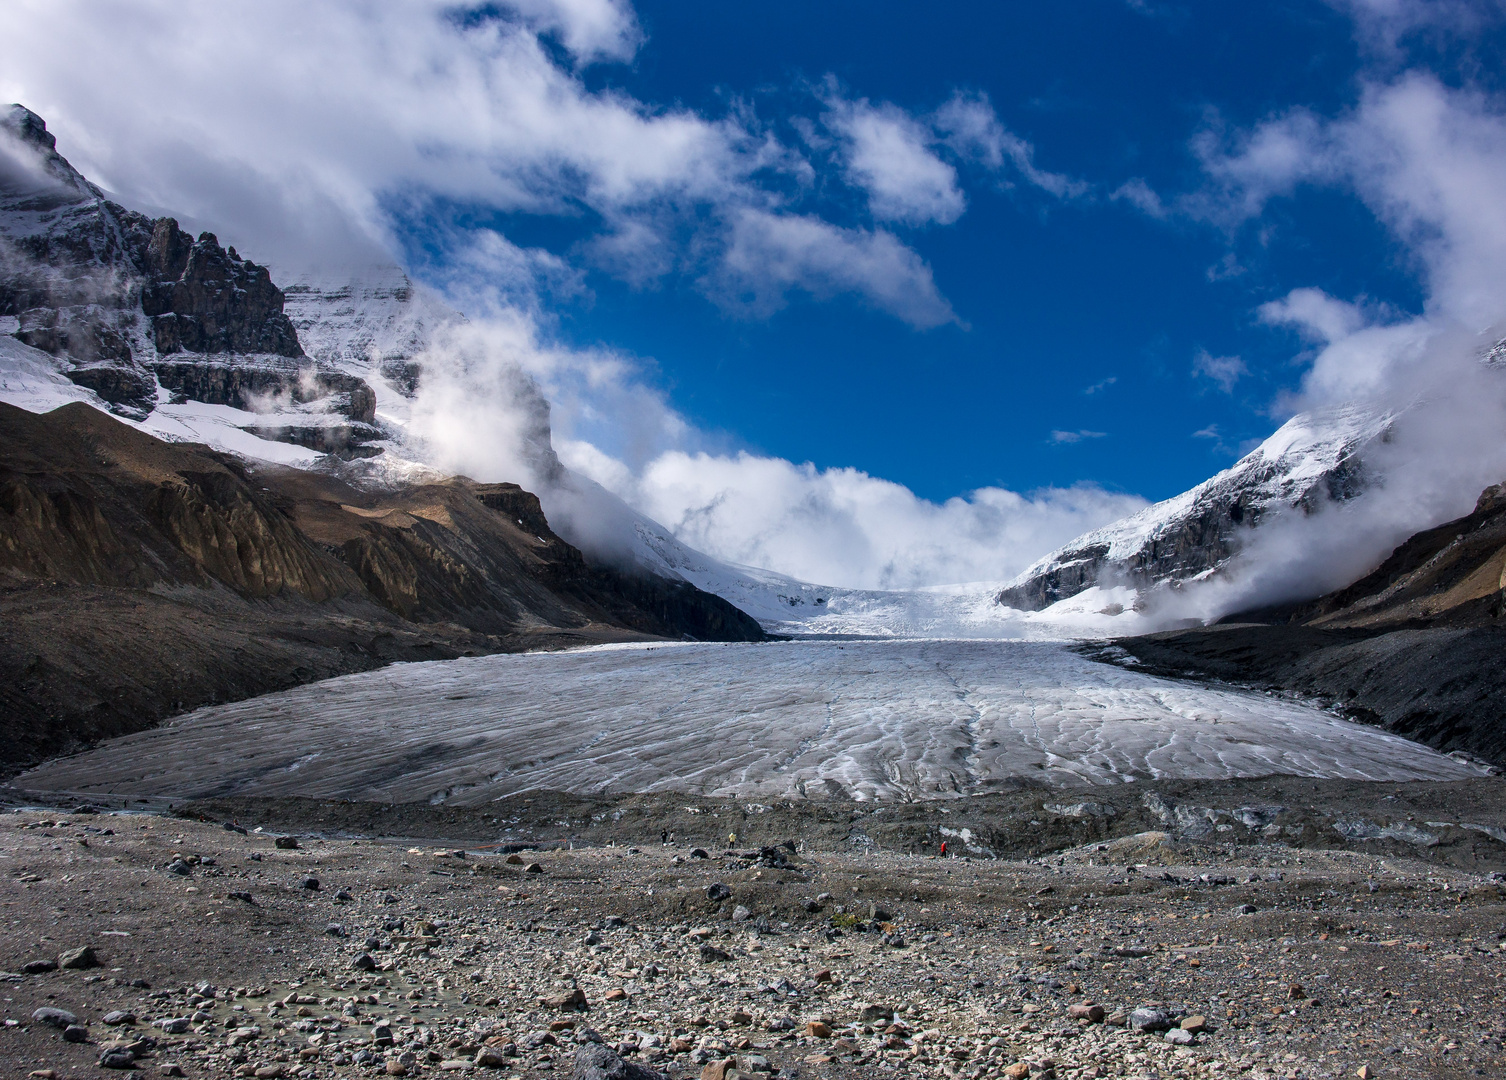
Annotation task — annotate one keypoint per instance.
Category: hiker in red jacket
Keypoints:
(943, 849)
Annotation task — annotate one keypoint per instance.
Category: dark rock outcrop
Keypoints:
(203, 298)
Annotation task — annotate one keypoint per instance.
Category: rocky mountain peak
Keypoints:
(29, 128)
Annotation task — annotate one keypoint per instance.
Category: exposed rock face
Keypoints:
(125, 300)
(1312, 459)
(216, 303)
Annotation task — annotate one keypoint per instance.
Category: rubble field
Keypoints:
(172, 945)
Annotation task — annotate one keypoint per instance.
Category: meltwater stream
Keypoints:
(869, 719)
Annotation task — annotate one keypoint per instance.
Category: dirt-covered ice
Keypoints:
(890, 719)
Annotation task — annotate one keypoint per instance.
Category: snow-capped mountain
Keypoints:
(178, 334)
(1313, 458)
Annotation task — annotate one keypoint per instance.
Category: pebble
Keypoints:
(117, 1017)
(75, 1033)
(38, 967)
(287, 843)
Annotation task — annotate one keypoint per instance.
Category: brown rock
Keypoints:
(718, 1070)
(1194, 1024)
(823, 976)
(570, 999)
(616, 994)
(1093, 1014)
(817, 1030)
(1018, 1071)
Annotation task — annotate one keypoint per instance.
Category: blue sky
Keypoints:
(1076, 315)
(870, 293)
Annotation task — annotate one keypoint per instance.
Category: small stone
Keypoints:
(616, 994)
(118, 1017)
(179, 867)
(1177, 1037)
(823, 976)
(310, 883)
(741, 1017)
(717, 891)
(533, 868)
(172, 1068)
(490, 1057)
(741, 914)
(1245, 909)
(58, 1018)
(79, 959)
(1018, 1071)
(396, 1067)
(43, 1074)
(593, 1061)
(699, 853)
(1195, 1024)
(75, 1033)
(364, 962)
(269, 1072)
(287, 843)
(718, 1070)
(1149, 1020)
(710, 954)
(1295, 992)
(1364, 1072)
(335, 929)
(571, 999)
(117, 1059)
(1093, 1014)
(514, 859)
(818, 1030)
(175, 1025)
(37, 967)
(243, 897)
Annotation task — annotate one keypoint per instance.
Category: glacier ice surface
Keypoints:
(895, 719)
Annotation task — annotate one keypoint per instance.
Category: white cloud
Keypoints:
(301, 131)
(969, 126)
(1060, 437)
(1223, 370)
(1140, 195)
(590, 29)
(770, 254)
(1382, 25)
(844, 527)
(1317, 315)
(888, 154)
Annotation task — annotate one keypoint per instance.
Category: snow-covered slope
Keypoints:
(1313, 458)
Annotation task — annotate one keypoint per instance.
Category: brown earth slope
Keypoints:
(140, 578)
(1416, 646)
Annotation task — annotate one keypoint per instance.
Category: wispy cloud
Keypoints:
(1060, 437)
(1225, 371)
(1100, 387)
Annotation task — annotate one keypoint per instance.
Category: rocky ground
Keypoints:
(212, 952)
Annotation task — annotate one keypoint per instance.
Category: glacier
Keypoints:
(804, 719)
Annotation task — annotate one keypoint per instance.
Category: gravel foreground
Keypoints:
(187, 948)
